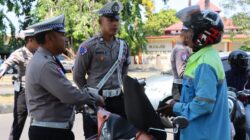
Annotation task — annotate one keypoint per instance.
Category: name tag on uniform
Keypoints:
(100, 52)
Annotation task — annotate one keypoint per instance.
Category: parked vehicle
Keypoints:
(67, 63)
(244, 97)
(237, 113)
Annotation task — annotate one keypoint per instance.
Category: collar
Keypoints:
(198, 54)
(100, 36)
(44, 51)
(27, 50)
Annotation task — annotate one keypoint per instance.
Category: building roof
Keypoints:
(212, 6)
(228, 23)
(174, 27)
(225, 36)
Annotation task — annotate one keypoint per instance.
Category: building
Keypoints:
(159, 47)
(165, 43)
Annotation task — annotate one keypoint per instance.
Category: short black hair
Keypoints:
(26, 39)
(40, 38)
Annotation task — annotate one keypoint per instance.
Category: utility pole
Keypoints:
(207, 4)
(189, 2)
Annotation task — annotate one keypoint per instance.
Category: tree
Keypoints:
(132, 27)
(157, 22)
(21, 8)
(241, 19)
(82, 19)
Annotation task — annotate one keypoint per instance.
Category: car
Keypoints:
(159, 87)
(66, 62)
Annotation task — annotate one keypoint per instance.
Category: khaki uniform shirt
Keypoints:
(21, 58)
(179, 58)
(50, 95)
(95, 58)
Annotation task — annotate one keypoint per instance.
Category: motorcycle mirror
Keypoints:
(181, 122)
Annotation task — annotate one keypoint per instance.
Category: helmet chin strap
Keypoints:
(245, 85)
(196, 49)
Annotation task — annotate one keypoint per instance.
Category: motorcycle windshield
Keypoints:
(138, 108)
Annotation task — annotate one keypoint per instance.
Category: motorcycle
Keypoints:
(244, 97)
(142, 123)
(236, 103)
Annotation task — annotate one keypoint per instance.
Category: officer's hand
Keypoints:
(100, 101)
(166, 110)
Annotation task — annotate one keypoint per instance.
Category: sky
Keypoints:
(180, 4)
(159, 5)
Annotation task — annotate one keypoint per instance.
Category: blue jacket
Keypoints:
(204, 98)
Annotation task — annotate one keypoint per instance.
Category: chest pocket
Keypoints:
(188, 91)
(102, 56)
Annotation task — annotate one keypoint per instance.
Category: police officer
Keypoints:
(50, 95)
(105, 59)
(20, 57)
(179, 57)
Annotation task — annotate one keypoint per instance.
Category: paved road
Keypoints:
(6, 120)
(6, 89)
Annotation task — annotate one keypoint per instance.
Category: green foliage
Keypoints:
(241, 19)
(132, 27)
(246, 46)
(157, 22)
(82, 20)
(22, 9)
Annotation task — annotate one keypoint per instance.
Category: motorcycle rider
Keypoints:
(238, 78)
(204, 94)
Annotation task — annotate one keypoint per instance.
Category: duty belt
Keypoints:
(59, 125)
(111, 93)
(106, 93)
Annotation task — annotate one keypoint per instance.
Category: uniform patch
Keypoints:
(183, 56)
(60, 71)
(83, 50)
